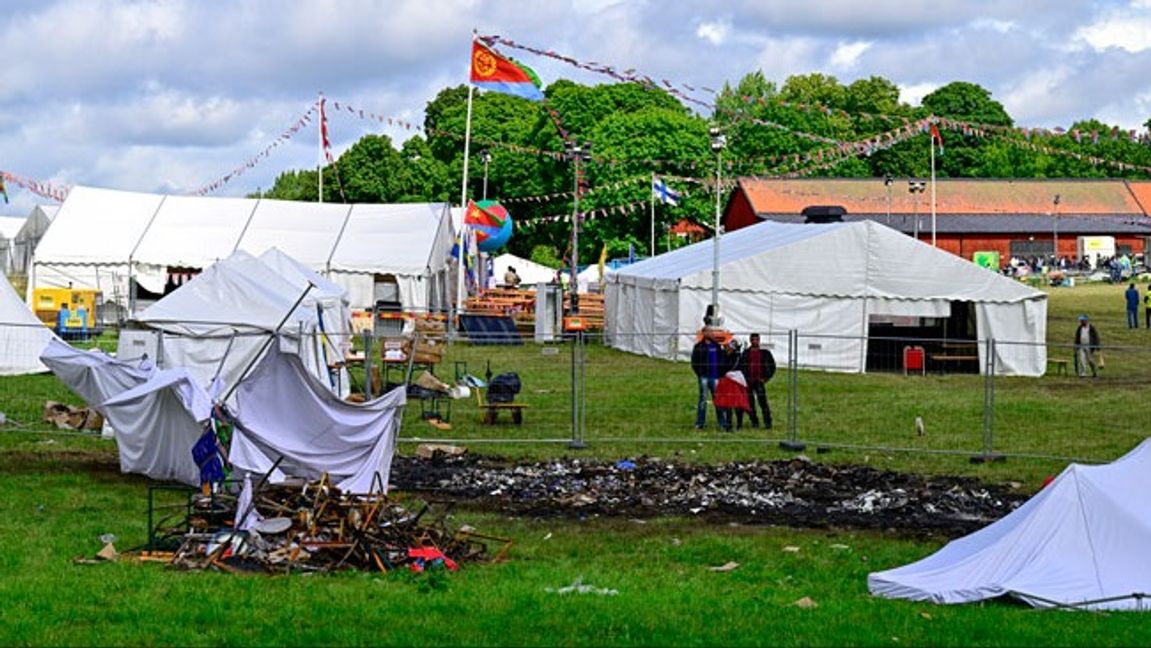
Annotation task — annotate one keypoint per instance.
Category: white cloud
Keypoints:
(715, 33)
(914, 93)
(1128, 29)
(846, 55)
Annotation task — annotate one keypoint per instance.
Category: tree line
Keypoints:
(635, 131)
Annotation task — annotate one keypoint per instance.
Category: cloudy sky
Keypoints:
(171, 95)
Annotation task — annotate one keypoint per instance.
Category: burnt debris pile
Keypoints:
(795, 493)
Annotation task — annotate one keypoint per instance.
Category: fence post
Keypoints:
(577, 441)
(988, 454)
(792, 442)
(368, 391)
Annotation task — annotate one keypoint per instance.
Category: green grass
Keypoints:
(60, 492)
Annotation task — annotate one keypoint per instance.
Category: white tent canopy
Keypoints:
(22, 335)
(1080, 541)
(33, 229)
(101, 237)
(530, 272)
(220, 320)
(9, 229)
(820, 280)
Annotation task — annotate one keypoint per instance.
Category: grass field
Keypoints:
(59, 493)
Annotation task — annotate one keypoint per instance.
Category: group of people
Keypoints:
(733, 379)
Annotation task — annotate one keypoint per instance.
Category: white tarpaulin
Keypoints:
(221, 319)
(22, 335)
(100, 237)
(283, 412)
(1080, 540)
(823, 280)
(155, 414)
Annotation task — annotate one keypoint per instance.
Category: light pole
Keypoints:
(1055, 229)
(887, 182)
(485, 157)
(576, 153)
(718, 143)
(916, 187)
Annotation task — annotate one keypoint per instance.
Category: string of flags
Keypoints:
(42, 189)
(284, 137)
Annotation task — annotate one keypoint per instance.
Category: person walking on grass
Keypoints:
(1132, 295)
(1086, 344)
(758, 367)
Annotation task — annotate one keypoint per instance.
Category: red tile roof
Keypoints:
(953, 196)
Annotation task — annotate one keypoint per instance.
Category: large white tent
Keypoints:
(101, 238)
(33, 229)
(1080, 541)
(22, 335)
(218, 323)
(824, 280)
(9, 229)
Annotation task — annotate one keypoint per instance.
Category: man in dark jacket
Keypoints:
(758, 367)
(709, 361)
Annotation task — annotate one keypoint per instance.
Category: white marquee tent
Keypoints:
(33, 229)
(9, 229)
(101, 237)
(530, 272)
(1080, 541)
(218, 322)
(22, 335)
(820, 279)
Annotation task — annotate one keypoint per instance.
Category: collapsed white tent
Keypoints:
(22, 335)
(156, 415)
(1081, 541)
(285, 415)
(100, 238)
(820, 280)
(218, 323)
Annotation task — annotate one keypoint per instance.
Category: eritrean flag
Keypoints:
(490, 71)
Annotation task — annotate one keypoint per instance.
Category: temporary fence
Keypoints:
(945, 396)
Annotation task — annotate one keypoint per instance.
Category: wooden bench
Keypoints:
(1060, 365)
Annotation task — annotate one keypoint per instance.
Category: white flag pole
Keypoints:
(931, 139)
(460, 296)
(651, 248)
(320, 158)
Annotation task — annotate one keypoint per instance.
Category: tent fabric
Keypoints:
(26, 240)
(284, 412)
(154, 414)
(9, 229)
(219, 322)
(22, 338)
(100, 237)
(1080, 540)
(821, 280)
(530, 272)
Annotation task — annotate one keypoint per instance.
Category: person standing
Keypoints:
(758, 367)
(709, 361)
(1132, 295)
(511, 279)
(1086, 344)
(1147, 306)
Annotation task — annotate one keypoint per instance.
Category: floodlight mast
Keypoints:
(718, 143)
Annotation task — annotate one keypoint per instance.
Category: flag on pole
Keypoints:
(3, 190)
(324, 141)
(602, 263)
(664, 193)
(937, 138)
(490, 71)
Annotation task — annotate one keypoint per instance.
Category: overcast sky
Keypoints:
(170, 95)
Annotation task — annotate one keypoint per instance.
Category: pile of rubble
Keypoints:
(794, 493)
(313, 527)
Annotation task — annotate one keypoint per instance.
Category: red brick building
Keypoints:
(1014, 217)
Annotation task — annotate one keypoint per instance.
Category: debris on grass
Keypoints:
(730, 565)
(579, 587)
(806, 603)
(314, 527)
(797, 492)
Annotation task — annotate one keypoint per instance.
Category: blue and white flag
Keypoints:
(664, 193)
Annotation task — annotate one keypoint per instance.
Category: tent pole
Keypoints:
(267, 343)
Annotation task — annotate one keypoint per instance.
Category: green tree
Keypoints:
(967, 102)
